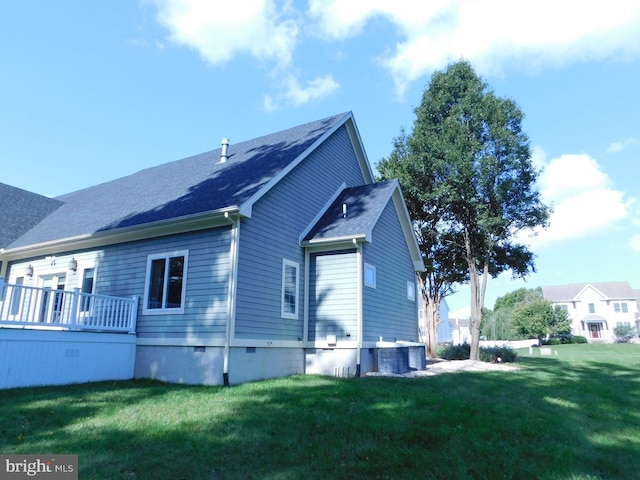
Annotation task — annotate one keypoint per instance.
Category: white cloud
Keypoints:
(219, 31)
(584, 203)
(616, 147)
(295, 95)
(490, 33)
(569, 175)
(634, 243)
(267, 30)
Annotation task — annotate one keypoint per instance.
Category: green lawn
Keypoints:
(574, 415)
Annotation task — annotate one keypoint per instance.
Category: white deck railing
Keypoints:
(31, 307)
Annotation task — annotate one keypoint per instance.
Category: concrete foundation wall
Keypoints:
(51, 357)
(191, 365)
(339, 362)
(253, 363)
(204, 365)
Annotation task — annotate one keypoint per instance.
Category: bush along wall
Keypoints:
(491, 354)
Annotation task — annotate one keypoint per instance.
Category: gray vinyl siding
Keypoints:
(387, 311)
(122, 271)
(273, 233)
(333, 296)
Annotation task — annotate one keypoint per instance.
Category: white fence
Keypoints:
(510, 343)
(45, 308)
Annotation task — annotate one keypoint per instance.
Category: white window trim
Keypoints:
(81, 273)
(164, 310)
(284, 314)
(370, 268)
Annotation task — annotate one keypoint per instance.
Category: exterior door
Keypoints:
(333, 296)
(594, 329)
(52, 299)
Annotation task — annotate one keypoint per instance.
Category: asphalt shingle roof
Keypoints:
(613, 290)
(193, 185)
(20, 211)
(364, 204)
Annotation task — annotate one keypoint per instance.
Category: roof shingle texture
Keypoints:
(613, 290)
(364, 205)
(193, 185)
(20, 211)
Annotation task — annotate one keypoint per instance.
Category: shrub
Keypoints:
(490, 354)
(579, 339)
(456, 352)
(498, 355)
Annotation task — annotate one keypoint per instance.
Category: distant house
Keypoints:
(460, 330)
(444, 331)
(595, 309)
(269, 257)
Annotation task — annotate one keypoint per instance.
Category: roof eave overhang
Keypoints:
(335, 242)
(188, 223)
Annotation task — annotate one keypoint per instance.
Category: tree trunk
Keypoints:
(475, 317)
(477, 303)
(431, 319)
(431, 327)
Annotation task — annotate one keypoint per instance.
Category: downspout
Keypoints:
(359, 301)
(231, 300)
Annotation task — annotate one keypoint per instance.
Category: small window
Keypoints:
(625, 309)
(369, 276)
(16, 296)
(564, 307)
(166, 283)
(87, 287)
(289, 305)
(592, 308)
(411, 291)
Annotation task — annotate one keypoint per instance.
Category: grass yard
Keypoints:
(574, 415)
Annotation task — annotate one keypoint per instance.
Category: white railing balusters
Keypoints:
(25, 306)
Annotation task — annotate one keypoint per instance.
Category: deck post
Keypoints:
(73, 314)
(133, 318)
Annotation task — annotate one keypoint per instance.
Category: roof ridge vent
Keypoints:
(223, 154)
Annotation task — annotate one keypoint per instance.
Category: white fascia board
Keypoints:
(407, 229)
(190, 223)
(358, 148)
(335, 242)
(589, 286)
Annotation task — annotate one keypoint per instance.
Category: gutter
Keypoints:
(160, 228)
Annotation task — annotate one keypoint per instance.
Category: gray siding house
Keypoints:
(270, 257)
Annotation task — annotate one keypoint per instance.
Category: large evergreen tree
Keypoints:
(466, 167)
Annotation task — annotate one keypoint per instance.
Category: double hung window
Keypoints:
(166, 282)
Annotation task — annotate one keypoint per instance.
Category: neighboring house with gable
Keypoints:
(265, 258)
(595, 309)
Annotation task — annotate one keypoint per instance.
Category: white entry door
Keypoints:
(52, 299)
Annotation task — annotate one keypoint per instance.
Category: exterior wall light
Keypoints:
(73, 265)
(29, 271)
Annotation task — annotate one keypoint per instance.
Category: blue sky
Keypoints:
(92, 91)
